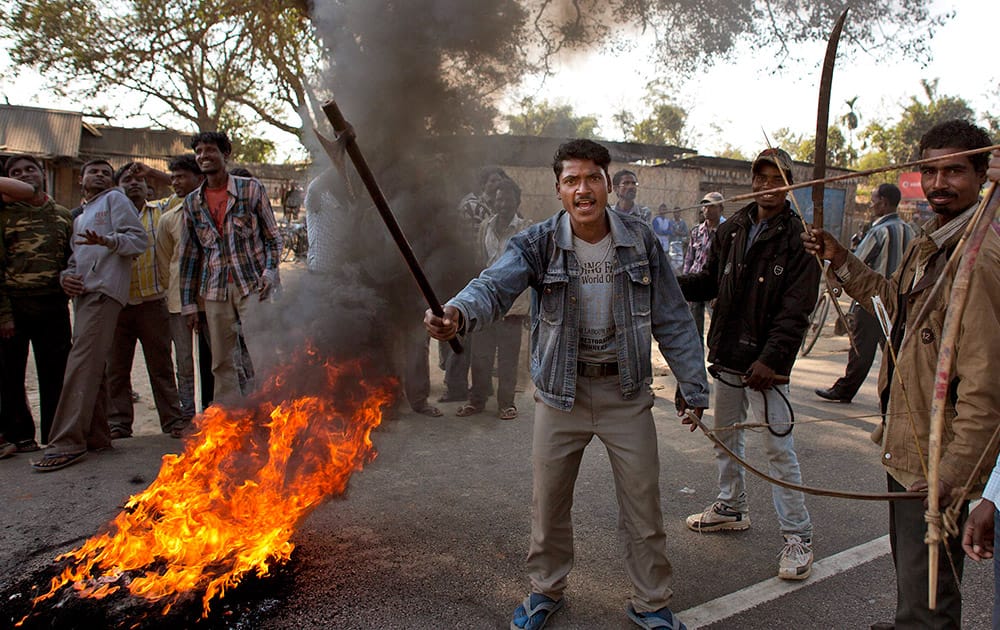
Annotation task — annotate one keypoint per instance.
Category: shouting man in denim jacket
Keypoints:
(601, 289)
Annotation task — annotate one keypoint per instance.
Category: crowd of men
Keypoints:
(137, 270)
(603, 286)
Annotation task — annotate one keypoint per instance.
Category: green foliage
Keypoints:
(872, 160)
(187, 59)
(839, 153)
(850, 119)
(900, 141)
(552, 121)
(666, 125)
(247, 146)
(733, 153)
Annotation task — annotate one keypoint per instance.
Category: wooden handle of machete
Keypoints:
(340, 125)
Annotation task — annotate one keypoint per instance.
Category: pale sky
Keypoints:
(740, 97)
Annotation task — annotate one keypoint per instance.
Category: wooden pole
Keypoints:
(942, 383)
(340, 125)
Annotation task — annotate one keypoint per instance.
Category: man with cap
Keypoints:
(699, 244)
(765, 285)
(881, 249)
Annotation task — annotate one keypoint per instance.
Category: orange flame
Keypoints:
(228, 505)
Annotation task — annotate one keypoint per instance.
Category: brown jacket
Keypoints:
(974, 408)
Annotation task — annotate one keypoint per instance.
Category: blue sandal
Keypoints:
(662, 619)
(534, 612)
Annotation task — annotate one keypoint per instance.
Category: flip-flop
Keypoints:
(430, 410)
(468, 410)
(662, 619)
(28, 446)
(534, 612)
(508, 413)
(52, 462)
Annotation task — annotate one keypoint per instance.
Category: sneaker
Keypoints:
(718, 517)
(7, 449)
(796, 558)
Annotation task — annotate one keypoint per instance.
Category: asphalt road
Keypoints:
(434, 531)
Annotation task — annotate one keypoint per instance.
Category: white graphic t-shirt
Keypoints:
(597, 325)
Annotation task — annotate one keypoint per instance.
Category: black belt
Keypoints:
(596, 370)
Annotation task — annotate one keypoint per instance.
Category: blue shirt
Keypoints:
(647, 304)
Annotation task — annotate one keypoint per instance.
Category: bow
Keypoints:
(823, 119)
(819, 157)
(816, 491)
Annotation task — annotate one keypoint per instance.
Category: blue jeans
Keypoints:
(731, 407)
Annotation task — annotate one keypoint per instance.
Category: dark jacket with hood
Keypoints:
(765, 291)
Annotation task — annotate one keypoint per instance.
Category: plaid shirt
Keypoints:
(248, 247)
(474, 209)
(145, 283)
(699, 243)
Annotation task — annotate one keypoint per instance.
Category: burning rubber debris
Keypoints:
(225, 509)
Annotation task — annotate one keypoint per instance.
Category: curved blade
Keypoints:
(823, 118)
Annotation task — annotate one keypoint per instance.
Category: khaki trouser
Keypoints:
(626, 429)
(223, 321)
(81, 417)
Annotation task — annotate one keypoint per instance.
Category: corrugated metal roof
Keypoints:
(134, 143)
(47, 133)
(119, 145)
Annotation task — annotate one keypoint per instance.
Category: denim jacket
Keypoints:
(647, 303)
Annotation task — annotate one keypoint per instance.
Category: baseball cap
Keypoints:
(712, 198)
(778, 157)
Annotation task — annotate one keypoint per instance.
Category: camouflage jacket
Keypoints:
(34, 249)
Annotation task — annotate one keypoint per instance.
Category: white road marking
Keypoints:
(762, 592)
